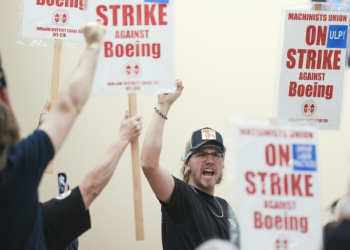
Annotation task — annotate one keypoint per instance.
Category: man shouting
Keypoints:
(191, 214)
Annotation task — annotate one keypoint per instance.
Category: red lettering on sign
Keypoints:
(290, 56)
(270, 155)
(99, 10)
(275, 184)
(280, 184)
(149, 15)
(108, 49)
(251, 189)
(311, 35)
(308, 185)
(133, 50)
(128, 11)
(263, 185)
(162, 14)
(326, 59)
(316, 90)
(114, 9)
(292, 223)
(79, 4)
(140, 15)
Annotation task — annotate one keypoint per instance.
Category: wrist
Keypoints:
(160, 113)
(164, 108)
(123, 139)
(94, 45)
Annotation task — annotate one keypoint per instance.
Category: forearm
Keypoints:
(152, 144)
(99, 176)
(80, 83)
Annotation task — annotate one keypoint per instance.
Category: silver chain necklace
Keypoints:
(222, 212)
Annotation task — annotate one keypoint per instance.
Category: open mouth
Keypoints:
(208, 173)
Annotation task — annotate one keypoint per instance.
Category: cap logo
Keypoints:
(208, 134)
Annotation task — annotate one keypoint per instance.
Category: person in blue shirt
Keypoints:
(22, 163)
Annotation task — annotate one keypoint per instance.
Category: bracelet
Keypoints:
(160, 113)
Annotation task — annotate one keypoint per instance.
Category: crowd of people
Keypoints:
(191, 214)
(26, 223)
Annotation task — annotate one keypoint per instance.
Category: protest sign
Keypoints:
(138, 54)
(312, 68)
(279, 197)
(137, 57)
(60, 19)
(55, 19)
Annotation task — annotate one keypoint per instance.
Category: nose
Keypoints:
(210, 158)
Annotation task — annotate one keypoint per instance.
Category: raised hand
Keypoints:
(169, 99)
(93, 32)
(130, 128)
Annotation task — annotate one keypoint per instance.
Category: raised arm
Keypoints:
(158, 177)
(72, 99)
(97, 178)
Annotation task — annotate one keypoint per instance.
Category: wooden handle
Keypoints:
(55, 82)
(136, 168)
(318, 6)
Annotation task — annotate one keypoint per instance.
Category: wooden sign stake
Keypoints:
(318, 7)
(55, 81)
(136, 175)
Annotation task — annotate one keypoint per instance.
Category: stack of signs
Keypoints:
(312, 71)
(58, 19)
(279, 187)
(137, 54)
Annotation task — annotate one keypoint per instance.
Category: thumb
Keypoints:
(126, 116)
(47, 105)
(65, 188)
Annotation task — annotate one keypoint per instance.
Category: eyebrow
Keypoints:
(202, 151)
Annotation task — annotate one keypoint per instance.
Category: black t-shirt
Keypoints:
(338, 238)
(20, 215)
(192, 217)
(64, 219)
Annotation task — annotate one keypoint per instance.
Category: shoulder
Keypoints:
(29, 154)
(41, 136)
(38, 139)
(222, 201)
(180, 193)
(180, 185)
(178, 181)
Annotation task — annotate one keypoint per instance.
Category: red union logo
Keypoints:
(281, 243)
(60, 18)
(136, 69)
(128, 71)
(132, 69)
(308, 108)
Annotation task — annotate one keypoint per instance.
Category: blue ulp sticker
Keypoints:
(337, 36)
(304, 157)
(156, 1)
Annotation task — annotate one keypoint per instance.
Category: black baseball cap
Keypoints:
(204, 137)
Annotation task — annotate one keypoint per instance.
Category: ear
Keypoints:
(187, 168)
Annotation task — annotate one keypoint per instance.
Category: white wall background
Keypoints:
(226, 54)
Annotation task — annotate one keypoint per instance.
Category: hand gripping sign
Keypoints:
(137, 57)
(314, 59)
(52, 19)
(278, 183)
